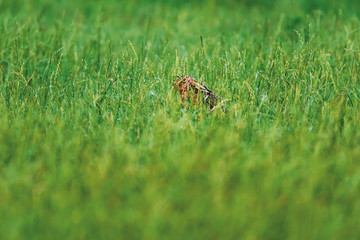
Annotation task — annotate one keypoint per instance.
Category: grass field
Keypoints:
(94, 142)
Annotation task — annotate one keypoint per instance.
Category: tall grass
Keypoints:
(94, 142)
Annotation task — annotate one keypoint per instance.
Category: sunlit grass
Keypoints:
(95, 143)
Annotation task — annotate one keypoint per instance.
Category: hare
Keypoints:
(188, 87)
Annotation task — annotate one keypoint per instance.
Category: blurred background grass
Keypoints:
(94, 143)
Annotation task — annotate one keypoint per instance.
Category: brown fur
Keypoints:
(188, 86)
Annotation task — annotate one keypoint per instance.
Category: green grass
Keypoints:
(94, 142)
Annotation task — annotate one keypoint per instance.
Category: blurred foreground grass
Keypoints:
(94, 143)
